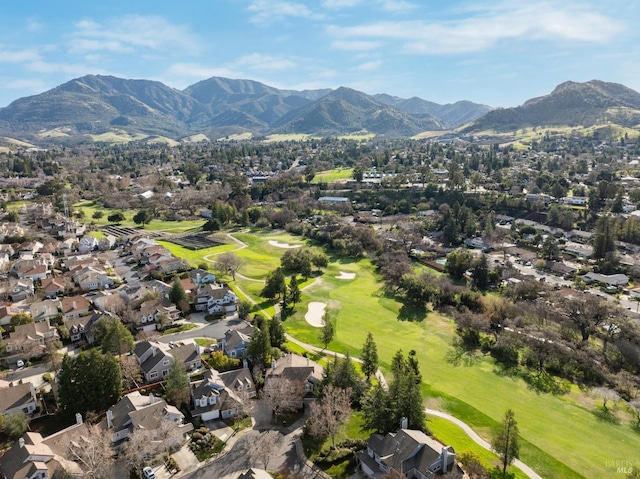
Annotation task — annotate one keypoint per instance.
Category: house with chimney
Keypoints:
(28, 341)
(35, 457)
(149, 317)
(136, 411)
(215, 298)
(75, 306)
(221, 395)
(18, 398)
(236, 341)
(408, 453)
(297, 369)
(45, 310)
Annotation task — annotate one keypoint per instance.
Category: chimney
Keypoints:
(152, 398)
(404, 423)
(21, 442)
(444, 458)
(78, 418)
(75, 305)
(273, 364)
(245, 364)
(109, 418)
(11, 384)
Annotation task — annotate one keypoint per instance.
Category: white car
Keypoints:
(148, 473)
(20, 363)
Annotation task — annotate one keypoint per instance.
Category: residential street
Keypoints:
(242, 456)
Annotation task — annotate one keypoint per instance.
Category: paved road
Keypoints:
(214, 329)
(242, 456)
(474, 435)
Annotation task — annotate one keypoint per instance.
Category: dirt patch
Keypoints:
(315, 313)
(346, 275)
(278, 244)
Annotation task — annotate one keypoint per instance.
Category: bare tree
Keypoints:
(267, 444)
(330, 412)
(228, 263)
(606, 394)
(282, 394)
(94, 454)
(131, 372)
(138, 449)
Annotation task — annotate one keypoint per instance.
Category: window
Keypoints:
(153, 375)
(165, 362)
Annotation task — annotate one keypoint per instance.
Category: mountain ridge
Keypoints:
(94, 104)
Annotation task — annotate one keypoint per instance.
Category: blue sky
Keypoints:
(497, 53)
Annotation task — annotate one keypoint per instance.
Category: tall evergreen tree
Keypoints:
(259, 349)
(294, 290)
(177, 387)
(177, 294)
(604, 239)
(376, 410)
(369, 357)
(276, 333)
(327, 332)
(505, 442)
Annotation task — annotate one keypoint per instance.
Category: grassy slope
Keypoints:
(556, 428)
(333, 175)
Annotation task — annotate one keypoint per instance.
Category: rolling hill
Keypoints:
(89, 107)
(569, 104)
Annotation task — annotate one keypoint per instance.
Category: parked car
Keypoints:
(20, 363)
(148, 473)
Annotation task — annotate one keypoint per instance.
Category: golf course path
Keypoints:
(474, 435)
(241, 245)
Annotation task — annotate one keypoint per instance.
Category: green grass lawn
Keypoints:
(561, 436)
(89, 208)
(336, 174)
(195, 257)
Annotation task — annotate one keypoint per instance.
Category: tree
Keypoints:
(505, 441)
(244, 309)
(14, 425)
(358, 173)
(282, 394)
(259, 348)
(405, 394)
(192, 172)
(87, 382)
(472, 465)
(266, 446)
(94, 453)
(228, 263)
(327, 331)
(131, 372)
(177, 387)
(377, 410)
(309, 174)
(369, 357)
(51, 355)
(480, 272)
(458, 262)
(294, 293)
(275, 285)
(97, 214)
(604, 239)
(177, 294)
(549, 249)
(329, 413)
(116, 338)
(142, 217)
(276, 333)
(117, 217)
(20, 319)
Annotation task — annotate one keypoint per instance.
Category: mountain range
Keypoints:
(216, 107)
(93, 107)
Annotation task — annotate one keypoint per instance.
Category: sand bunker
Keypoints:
(345, 275)
(277, 244)
(315, 314)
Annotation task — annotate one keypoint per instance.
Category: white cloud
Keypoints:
(395, 6)
(481, 28)
(368, 66)
(27, 84)
(75, 69)
(355, 45)
(335, 4)
(33, 25)
(263, 11)
(18, 56)
(257, 61)
(133, 33)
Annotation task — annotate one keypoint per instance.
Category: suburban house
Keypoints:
(7, 312)
(608, 279)
(43, 310)
(188, 355)
(297, 369)
(135, 411)
(215, 298)
(35, 273)
(52, 287)
(28, 340)
(35, 457)
(75, 306)
(18, 398)
(90, 278)
(239, 381)
(201, 276)
(20, 289)
(87, 243)
(235, 342)
(154, 359)
(149, 316)
(410, 453)
(214, 399)
(107, 242)
(80, 328)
